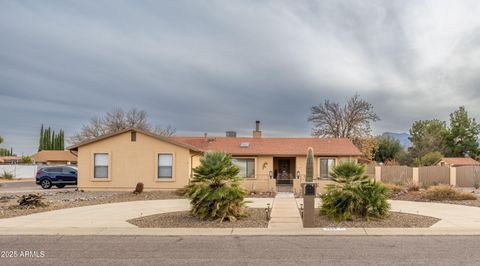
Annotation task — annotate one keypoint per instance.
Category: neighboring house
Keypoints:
(54, 157)
(10, 159)
(118, 161)
(457, 161)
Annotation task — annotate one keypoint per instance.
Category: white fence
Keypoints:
(19, 170)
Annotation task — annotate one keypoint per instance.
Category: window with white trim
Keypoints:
(246, 166)
(326, 166)
(101, 165)
(165, 166)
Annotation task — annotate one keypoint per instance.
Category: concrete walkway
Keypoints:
(285, 214)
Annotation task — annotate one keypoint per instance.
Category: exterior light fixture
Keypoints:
(298, 174)
(270, 174)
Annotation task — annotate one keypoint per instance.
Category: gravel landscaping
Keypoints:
(256, 218)
(419, 196)
(394, 220)
(71, 198)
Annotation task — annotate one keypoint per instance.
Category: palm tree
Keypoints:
(215, 191)
(354, 194)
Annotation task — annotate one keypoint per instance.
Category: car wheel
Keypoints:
(46, 184)
(60, 186)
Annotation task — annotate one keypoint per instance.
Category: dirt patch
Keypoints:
(256, 218)
(420, 197)
(394, 220)
(71, 198)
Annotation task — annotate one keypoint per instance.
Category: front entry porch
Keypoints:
(284, 172)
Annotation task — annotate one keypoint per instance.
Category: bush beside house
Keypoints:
(353, 194)
(215, 191)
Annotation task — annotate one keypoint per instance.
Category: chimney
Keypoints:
(257, 133)
(231, 134)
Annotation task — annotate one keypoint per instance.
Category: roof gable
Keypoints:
(55, 155)
(155, 136)
(459, 161)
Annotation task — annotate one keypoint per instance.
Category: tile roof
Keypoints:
(54, 156)
(6, 159)
(274, 146)
(460, 161)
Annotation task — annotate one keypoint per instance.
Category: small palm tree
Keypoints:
(349, 173)
(354, 194)
(215, 191)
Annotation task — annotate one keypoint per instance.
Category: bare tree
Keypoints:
(117, 120)
(350, 121)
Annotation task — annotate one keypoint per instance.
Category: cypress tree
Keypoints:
(47, 139)
(40, 142)
(62, 141)
(52, 143)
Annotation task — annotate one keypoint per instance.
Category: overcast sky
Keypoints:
(212, 66)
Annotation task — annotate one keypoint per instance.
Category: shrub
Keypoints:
(476, 184)
(425, 185)
(6, 175)
(215, 191)
(138, 188)
(354, 194)
(428, 159)
(31, 201)
(394, 188)
(447, 192)
(27, 159)
(412, 186)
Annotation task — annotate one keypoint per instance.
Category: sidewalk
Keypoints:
(285, 214)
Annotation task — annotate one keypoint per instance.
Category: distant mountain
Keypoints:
(402, 137)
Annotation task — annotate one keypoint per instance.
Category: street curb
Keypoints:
(240, 231)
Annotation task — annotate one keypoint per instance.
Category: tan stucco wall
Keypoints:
(262, 181)
(132, 162)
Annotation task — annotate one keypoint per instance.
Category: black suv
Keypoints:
(60, 176)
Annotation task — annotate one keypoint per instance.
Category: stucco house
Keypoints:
(55, 157)
(457, 161)
(118, 161)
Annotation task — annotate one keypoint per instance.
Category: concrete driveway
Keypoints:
(111, 219)
(113, 215)
(451, 215)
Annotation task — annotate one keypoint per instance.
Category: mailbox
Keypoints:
(309, 190)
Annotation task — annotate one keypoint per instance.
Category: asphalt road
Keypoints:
(244, 250)
(25, 186)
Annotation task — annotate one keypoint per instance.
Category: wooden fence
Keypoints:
(468, 176)
(434, 175)
(464, 176)
(396, 174)
(370, 170)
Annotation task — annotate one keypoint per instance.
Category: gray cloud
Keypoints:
(211, 66)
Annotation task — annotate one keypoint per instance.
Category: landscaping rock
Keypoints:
(8, 197)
